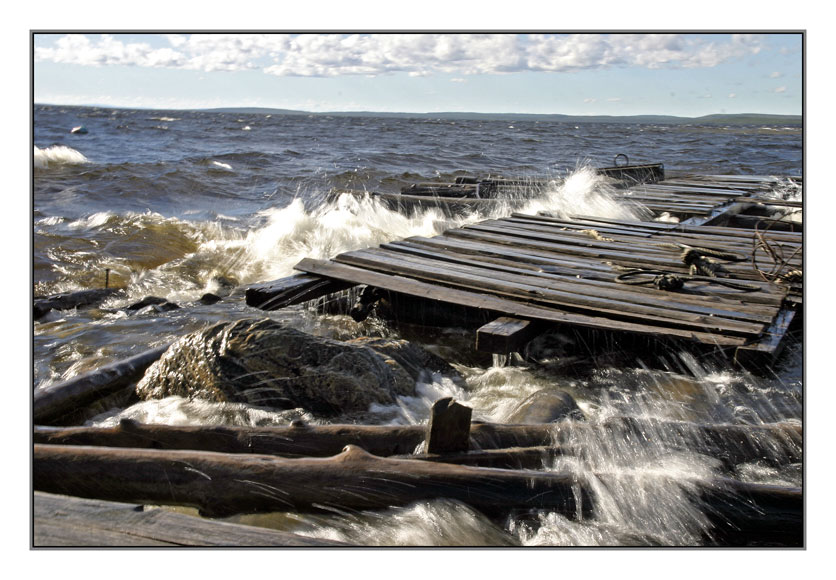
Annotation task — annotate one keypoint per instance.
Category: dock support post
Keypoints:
(449, 427)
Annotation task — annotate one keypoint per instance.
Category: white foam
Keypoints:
(57, 155)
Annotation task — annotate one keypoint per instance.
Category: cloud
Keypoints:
(781, 89)
(322, 55)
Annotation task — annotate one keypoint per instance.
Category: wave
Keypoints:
(57, 155)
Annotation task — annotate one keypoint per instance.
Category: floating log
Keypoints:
(70, 300)
(221, 484)
(64, 402)
(63, 521)
(778, 443)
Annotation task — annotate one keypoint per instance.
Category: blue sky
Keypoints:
(684, 74)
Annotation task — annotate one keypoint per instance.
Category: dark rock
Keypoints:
(261, 362)
(158, 304)
(546, 406)
(209, 298)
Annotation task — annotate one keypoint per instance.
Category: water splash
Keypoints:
(433, 523)
(57, 155)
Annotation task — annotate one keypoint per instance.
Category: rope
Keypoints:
(773, 249)
(672, 282)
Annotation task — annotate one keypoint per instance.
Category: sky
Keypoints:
(679, 73)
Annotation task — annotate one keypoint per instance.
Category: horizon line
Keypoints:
(243, 110)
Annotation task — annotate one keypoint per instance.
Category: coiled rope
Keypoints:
(673, 282)
(703, 268)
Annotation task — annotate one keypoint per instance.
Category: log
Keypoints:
(222, 484)
(778, 443)
(65, 401)
(70, 300)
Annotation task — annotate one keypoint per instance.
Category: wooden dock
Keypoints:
(595, 273)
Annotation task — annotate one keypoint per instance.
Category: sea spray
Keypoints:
(57, 155)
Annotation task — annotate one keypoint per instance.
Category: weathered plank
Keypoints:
(291, 290)
(498, 306)
(499, 257)
(505, 335)
(65, 521)
(555, 293)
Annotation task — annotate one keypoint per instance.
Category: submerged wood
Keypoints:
(61, 402)
(63, 521)
(778, 443)
(70, 300)
(221, 484)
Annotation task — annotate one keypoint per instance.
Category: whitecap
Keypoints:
(57, 155)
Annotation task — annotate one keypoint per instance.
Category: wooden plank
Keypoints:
(767, 293)
(620, 257)
(607, 287)
(631, 227)
(71, 521)
(499, 305)
(703, 302)
(590, 281)
(556, 294)
(505, 335)
(291, 290)
(771, 342)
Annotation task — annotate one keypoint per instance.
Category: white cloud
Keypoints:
(781, 89)
(414, 54)
(732, 95)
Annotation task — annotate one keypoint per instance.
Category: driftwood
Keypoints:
(61, 521)
(64, 402)
(70, 300)
(222, 484)
(778, 443)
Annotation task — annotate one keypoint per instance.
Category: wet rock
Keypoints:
(158, 304)
(263, 363)
(415, 360)
(546, 406)
(209, 298)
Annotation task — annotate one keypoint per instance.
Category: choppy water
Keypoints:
(173, 203)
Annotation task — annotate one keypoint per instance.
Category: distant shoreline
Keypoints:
(715, 119)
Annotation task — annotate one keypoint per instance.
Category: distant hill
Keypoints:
(718, 119)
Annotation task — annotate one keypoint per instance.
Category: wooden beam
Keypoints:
(292, 290)
(505, 335)
(448, 430)
(63, 401)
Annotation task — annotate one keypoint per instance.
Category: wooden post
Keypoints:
(449, 427)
